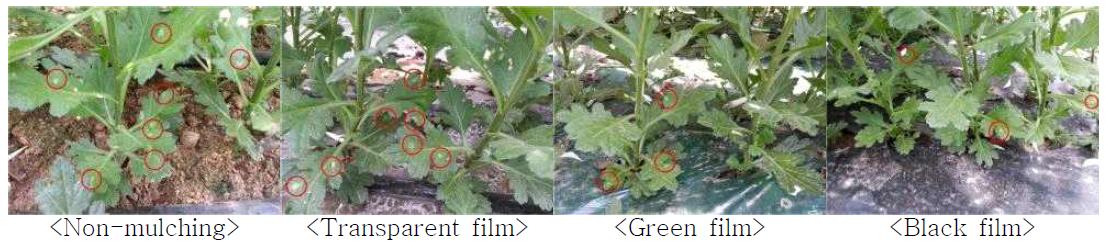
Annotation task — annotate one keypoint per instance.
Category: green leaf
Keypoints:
(1084, 34)
(874, 130)
(588, 18)
(262, 120)
(371, 154)
(96, 82)
(905, 18)
(598, 130)
(585, 18)
(810, 32)
(733, 162)
(868, 117)
(87, 156)
(513, 67)
(419, 164)
(138, 53)
(355, 185)
(138, 147)
(28, 91)
(528, 185)
(721, 124)
(983, 152)
(168, 113)
(793, 114)
(1042, 128)
(305, 119)
(790, 175)
(958, 22)
(691, 103)
(1077, 71)
(460, 112)
(927, 77)
(460, 28)
(232, 43)
(732, 64)
(906, 112)
(952, 138)
(61, 192)
(1005, 115)
(82, 82)
(869, 135)
(904, 144)
(845, 95)
(651, 179)
(306, 167)
(460, 195)
(949, 109)
(1009, 34)
(207, 94)
(21, 47)
(535, 145)
(153, 129)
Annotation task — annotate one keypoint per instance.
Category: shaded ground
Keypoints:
(931, 180)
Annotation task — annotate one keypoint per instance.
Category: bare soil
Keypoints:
(212, 170)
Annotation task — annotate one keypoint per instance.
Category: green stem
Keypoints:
(976, 66)
(295, 27)
(779, 48)
(640, 75)
(359, 38)
(965, 63)
(565, 50)
(494, 127)
(1055, 17)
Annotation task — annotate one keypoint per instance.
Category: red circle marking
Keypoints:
(65, 78)
(244, 53)
(323, 166)
(98, 178)
(172, 95)
(161, 129)
(1091, 102)
(672, 161)
(991, 133)
(599, 181)
(407, 81)
(154, 36)
(911, 57)
(421, 115)
(404, 144)
(377, 122)
(661, 98)
(146, 160)
(296, 178)
(436, 166)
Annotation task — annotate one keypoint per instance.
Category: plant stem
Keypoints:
(359, 38)
(639, 66)
(295, 27)
(779, 48)
(497, 120)
(965, 63)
